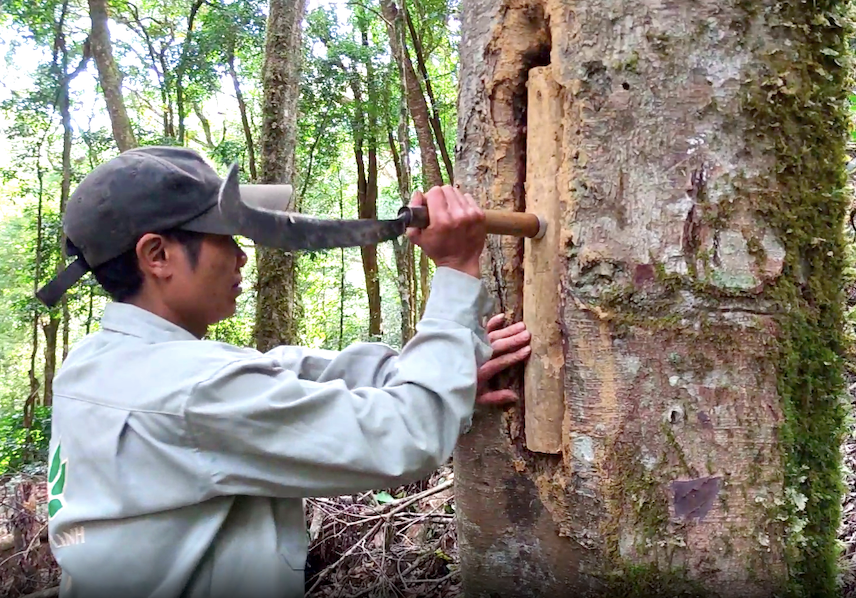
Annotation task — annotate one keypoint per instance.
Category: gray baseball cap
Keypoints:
(145, 190)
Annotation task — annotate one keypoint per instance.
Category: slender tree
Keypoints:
(109, 76)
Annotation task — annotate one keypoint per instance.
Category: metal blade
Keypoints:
(292, 232)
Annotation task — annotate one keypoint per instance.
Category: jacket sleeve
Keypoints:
(364, 418)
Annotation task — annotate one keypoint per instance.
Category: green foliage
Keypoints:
(159, 61)
(22, 449)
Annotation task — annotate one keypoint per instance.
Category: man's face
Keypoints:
(207, 293)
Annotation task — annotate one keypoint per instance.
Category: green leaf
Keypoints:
(383, 497)
(54, 506)
(60, 483)
(55, 463)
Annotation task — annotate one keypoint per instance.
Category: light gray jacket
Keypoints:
(178, 466)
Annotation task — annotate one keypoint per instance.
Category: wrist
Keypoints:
(471, 269)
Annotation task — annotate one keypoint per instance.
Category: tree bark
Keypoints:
(436, 125)
(275, 304)
(206, 125)
(699, 172)
(32, 397)
(341, 339)
(421, 122)
(245, 123)
(109, 77)
(65, 191)
(368, 200)
(51, 332)
(402, 248)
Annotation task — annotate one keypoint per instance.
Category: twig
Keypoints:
(435, 581)
(325, 572)
(403, 503)
(28, 548)
(48, 593)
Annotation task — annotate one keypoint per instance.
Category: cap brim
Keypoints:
(212, 222)
(52, 292)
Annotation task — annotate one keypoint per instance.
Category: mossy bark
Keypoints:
(702, 183)
(276, 299)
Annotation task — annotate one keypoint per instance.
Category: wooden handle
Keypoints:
(515, 224)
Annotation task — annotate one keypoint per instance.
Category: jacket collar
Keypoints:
(125, 318)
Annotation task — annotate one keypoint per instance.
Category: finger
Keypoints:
(498, 333)
(474, 211)
(495, 323)
(457, 208)
(497, 397)
(497, 364)
(512, 343)
(438, 207)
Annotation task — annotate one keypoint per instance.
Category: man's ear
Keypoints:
(153, 256)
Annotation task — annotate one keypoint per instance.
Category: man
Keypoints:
(178, 465)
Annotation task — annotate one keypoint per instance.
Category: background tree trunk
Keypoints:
(436, 125)
(368, 201)
(699, 152)
(403, 249)
(431, 174)
(245, 122)
(109, 77)
(275, 303)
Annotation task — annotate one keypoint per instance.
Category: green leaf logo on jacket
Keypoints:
(56, 482)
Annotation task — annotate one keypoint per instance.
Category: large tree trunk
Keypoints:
(275, 303)
(108, 76)
(696, 151)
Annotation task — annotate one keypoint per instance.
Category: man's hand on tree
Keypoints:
(510, 346)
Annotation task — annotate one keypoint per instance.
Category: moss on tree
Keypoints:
(800, 119)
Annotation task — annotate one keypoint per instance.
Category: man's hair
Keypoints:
(121, 277)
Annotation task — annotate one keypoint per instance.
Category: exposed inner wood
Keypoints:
(544, 373)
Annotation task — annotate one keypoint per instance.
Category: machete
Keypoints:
(290, 231)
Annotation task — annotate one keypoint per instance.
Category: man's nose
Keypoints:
(242, 256)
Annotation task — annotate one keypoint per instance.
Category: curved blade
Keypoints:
(291, 231)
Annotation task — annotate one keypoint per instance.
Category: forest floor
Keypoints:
(399, 543)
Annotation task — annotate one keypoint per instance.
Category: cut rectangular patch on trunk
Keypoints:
(694, 498)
